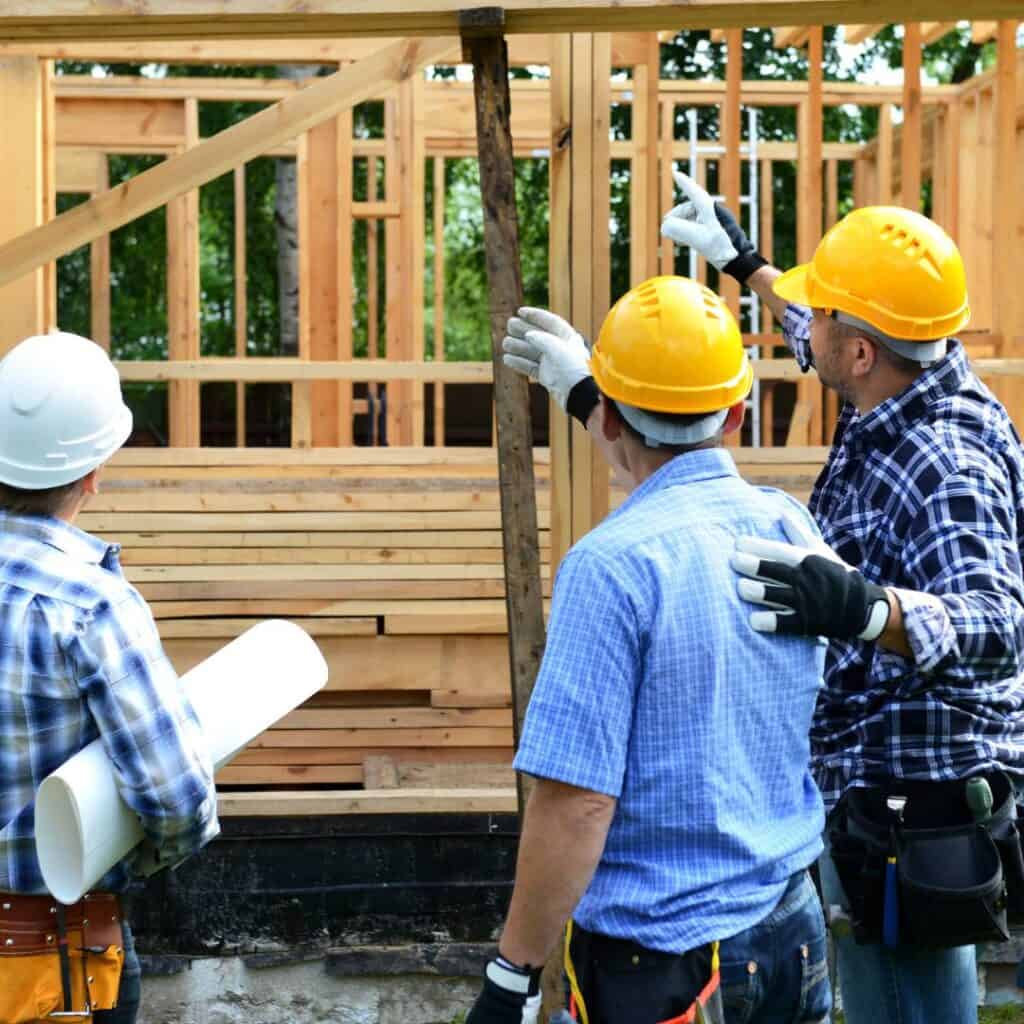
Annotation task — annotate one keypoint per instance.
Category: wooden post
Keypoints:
(884, 161)
(729, 164)
(372, 297)
(910, 140)
(668, 187)
(320, 247)
(23, 105)
(302, 391)
(99, 269)
(343, 247)
(1006, 305)
(183, 342)
(523, 594)
(241, 300)
(439, 204)
(809, 198)
(560, 283)
(767, 247)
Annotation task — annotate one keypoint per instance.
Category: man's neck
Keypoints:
(877, 392)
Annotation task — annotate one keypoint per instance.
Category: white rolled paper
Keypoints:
(83, 827)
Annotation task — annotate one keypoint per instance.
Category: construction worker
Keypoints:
(922, 503)
(81, 659)
(673, 804)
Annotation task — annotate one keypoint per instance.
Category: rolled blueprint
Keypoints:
(83, 827)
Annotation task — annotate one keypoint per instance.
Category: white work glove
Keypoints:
(712, 230)
(510, 995)
(810, 590)
(551, 352)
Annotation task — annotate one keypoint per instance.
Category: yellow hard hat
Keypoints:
(889, 267)
(670, 345)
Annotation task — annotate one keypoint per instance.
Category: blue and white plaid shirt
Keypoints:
(80, 658)
(655, 690)
(925, 494)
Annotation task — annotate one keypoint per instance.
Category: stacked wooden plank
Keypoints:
(390, 558)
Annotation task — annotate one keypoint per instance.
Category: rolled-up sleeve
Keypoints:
(580, 716)
(965, 616)
(796, 330)
(148, 728)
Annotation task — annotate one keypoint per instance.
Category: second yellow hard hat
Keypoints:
(889, 267)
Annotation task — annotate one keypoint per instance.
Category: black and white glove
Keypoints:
(551, 352)
(711, 229)
(810, 590)
(511, 995)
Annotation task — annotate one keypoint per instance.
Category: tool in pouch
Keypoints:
(59, 963)
(930, 864)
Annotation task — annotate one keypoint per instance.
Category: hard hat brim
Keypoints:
(792, 286)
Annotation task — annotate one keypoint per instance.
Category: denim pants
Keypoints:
(911, 986)
(777, 971)
(127, 1008)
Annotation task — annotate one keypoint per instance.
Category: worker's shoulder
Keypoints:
(51, 576)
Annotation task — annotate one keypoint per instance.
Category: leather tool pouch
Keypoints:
(30, 963)
(960, 881)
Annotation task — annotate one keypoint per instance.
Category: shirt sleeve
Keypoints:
(796, 330)
(148, 728)
(580, 716)
(965, 617)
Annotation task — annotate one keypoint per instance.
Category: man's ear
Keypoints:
(865, 356)
(734, 421)
(611, 421)
(91, 482)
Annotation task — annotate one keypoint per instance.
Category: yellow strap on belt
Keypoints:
(570, 973)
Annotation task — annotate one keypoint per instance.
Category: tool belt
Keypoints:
(588, 953)
(59, 962)
(921, 868)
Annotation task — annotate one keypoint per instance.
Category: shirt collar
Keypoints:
(688, 468)
(63, 536)
(893, 417)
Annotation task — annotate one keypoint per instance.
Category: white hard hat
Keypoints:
(61, 411)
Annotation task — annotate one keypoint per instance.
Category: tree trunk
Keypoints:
(286, 222)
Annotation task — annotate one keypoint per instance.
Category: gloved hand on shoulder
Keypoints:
(511, 995)
(810, 591)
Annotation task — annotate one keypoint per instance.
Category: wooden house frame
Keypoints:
(391, 556)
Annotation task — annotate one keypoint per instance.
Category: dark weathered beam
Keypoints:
(53, 21)
(486, 47)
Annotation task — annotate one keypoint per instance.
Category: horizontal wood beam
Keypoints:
(933, 31)
(220, 154)
(983, 31)
(854, 34)
(523, 51)
(791, 36)
(58, 21)
(284, 370)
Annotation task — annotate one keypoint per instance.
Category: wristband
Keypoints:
(745, 264)
(582, 399)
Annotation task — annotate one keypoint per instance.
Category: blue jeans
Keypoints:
(911, 986)
(777, 971)
(127, 1008)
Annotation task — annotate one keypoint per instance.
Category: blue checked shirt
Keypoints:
(925, 494)
(80, 658)
(654, 690)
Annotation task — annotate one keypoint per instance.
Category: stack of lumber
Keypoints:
(391, 559)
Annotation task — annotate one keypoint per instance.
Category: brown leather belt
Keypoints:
(29, 924)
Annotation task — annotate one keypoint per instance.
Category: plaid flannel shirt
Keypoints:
(80, 658)
(925, 494)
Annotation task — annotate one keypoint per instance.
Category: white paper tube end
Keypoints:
(59, 840)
